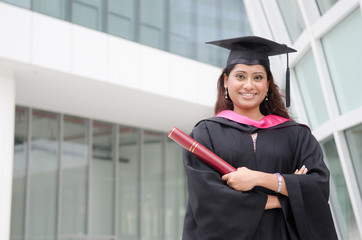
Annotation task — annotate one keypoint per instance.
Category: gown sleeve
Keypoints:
(216, 211)
(307, 207)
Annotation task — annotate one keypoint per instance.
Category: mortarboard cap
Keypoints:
(252, 50)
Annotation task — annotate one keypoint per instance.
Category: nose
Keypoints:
(248, 84)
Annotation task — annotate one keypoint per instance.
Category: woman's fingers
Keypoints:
(302, 170)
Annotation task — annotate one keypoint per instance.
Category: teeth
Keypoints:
(248, 94)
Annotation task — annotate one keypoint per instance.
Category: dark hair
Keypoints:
(274, 105)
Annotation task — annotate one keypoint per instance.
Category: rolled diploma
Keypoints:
(200, 151)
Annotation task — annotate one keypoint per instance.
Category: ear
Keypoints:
(225, 81)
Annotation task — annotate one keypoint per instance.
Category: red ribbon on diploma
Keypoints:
(200, 151)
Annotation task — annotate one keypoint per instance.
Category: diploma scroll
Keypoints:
(200, 151)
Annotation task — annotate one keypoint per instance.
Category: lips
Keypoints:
(247, 95)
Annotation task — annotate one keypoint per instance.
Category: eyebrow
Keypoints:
(240, 71)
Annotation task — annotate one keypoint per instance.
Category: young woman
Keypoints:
(281, 187)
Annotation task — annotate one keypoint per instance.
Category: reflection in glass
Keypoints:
(311, 90)
(128, 170)
(153, 23)
(152, 187)
(341, 203)
(183, 28)
(102, 180)
(122, 18)
(324, 5)
(43, 175)
(74, 176)
(90, 13)
(292, 16)
(342, 60)
(54, 8)
(175, 191)
(19, 174)
(20, 3)
(354, 140)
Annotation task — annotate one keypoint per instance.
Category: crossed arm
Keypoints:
(245, 179)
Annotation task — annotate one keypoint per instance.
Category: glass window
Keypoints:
(129, 182)
(152, 187)
(292, 18)
(90, 13)
(311, 89)
(175, 191)
(74, 176)
(183, 28)
(102, 180)
(19, 174)
(354, 140)
(208, 29)
(342, 48)
(122, 18)
(43, 166)
(153, 23)
(55, 8)
(324, 5)
(20, 3)
(341, 204)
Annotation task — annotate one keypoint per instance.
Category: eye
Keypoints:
(240, 76)
(258, 77)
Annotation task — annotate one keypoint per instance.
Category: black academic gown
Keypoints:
(215, 211)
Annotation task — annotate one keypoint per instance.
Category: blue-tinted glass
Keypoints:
(55, 8)
(74, 175)
(342, 48)
(19, 174)
(324, 5)
(354, 139)
(208, 29)
(292, 18)
(122, 18)
(153, 23)
(341, 203)
(183, 28)
(43, 177)
(20, 3)
(128, 182)
(311, 90)
(90, 13)
(102, 180)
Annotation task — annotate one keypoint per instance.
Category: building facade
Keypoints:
(90, 88)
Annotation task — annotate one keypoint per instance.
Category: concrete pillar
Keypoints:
(7, 118)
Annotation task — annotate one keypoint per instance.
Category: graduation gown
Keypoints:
(216, 211)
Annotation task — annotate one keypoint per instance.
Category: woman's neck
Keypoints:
(254, 115)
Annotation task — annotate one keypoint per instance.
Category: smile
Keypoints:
(247, 95)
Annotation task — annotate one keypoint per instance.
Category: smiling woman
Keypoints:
(281, 187)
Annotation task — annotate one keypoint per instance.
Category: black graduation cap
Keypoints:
(253, 50)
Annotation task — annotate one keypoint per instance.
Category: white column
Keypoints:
(7, 115)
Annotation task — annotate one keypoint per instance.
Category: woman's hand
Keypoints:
(302, 170)
(243, 179)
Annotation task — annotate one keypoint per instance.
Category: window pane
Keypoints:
(354, 139)
(19, 174)
(128, 205)
(152, 187)
(122, 18)
(324, 5)
(20, 3)
(311, 89)
(153, 23)
(74, 176)
(175, 191)
(90, 13)
(43, 176)
(183, 28)
(341, 203)
(102, 180)
(208, 29)
(343, 60)
(292, 18)
(55, 8)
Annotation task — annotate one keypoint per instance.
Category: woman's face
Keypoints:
(247, 86)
